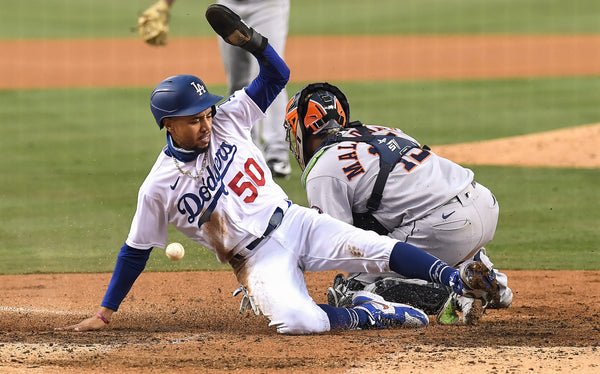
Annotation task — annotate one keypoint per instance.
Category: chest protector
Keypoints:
(390, 149)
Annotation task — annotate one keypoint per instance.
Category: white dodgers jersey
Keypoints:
(231, 201)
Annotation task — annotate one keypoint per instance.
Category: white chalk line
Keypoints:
(39, 311)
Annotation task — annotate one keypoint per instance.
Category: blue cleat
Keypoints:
(384, 314)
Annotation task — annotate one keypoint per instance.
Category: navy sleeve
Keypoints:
(130, 264)
(272, 78)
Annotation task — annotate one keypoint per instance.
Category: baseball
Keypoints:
(175, 251)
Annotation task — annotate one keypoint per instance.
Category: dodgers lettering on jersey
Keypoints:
(341, 181)
(224, 209)
(192, 204)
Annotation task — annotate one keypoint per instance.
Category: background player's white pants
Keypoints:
(307, 241)
(270, 18)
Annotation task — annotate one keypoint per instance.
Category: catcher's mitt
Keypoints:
(153, 24)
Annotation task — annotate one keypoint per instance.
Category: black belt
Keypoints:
(274, 222)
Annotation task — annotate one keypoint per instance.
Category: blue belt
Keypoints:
(457, 198)
(274, 222)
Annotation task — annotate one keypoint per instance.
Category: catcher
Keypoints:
(153, 24)
(380, 179)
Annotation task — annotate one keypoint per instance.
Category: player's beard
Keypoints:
(197, 148)
(201, 150)
(192, 148)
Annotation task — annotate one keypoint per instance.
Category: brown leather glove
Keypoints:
(153, 24)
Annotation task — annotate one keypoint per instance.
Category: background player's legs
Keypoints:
(271, 18)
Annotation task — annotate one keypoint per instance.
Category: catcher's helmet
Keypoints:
(180, 95)
(315, 109)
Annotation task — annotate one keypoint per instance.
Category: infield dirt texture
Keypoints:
(189, 322)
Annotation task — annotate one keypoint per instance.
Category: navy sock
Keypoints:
(412, 262)
(345, 318)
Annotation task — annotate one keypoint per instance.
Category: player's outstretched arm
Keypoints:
(130, 264)
(96, 322)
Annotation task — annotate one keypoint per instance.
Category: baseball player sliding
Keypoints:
(212, 183)
(381, 179)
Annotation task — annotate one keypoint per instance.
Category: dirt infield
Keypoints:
(189, 322)
(551, 149)
(92, 63)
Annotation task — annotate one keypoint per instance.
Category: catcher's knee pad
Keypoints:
(429, 297)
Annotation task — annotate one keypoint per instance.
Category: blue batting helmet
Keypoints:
(180, 95)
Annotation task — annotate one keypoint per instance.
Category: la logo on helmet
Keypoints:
(200, 89)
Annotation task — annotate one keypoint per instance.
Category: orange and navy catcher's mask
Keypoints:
(316, 108)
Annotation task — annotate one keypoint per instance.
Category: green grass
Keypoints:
(442, 112)
(444, 17)
(549, 218)
(72, 161)
(114, 18)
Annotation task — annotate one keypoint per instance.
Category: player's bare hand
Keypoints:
(92, 323)
(96, 322)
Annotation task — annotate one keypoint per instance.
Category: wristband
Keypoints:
(104, 319)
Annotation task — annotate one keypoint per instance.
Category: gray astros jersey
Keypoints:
(341, 181)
